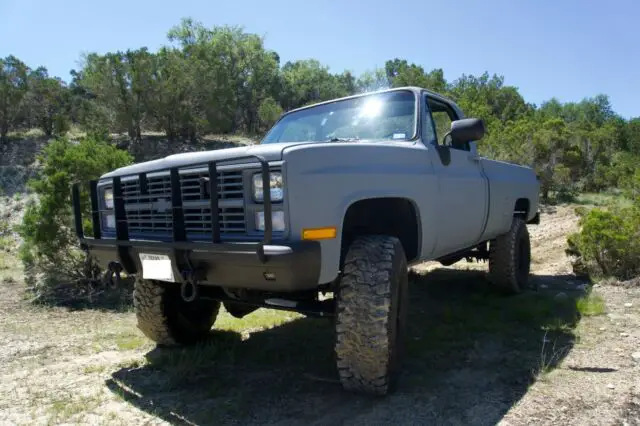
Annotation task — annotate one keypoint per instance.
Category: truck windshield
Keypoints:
(383, 116)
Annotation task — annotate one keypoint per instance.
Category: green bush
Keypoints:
(49, 251)
(608, 243)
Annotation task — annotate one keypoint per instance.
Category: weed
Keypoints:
(130, 364)
(550, 357)
(130, 342)
(591, 305)
(90, 369)
(63, 409)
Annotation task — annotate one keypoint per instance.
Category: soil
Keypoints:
(474, 358)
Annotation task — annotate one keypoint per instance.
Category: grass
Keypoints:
(186, 365)
(63, 409)
(34, 133)
(591, 305)
(261, 319)
(602, 199)
(130, 342)
(97, 368)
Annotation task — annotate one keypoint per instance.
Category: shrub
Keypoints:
(49, 251)
(631, 186)
(608, 243)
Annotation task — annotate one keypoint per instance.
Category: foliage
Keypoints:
(49, 239)
(268, 112)
(46, 104)
(13, 87)
(608, 243)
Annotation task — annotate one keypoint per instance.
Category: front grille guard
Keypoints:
(178, 232)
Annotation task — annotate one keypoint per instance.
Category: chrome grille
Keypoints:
(151, 215)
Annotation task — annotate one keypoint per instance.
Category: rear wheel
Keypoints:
(371, 315)
(167, 319)
(510, 258)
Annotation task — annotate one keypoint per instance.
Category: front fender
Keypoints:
(323, 180)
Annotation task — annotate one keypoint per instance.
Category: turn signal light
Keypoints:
(319, 233)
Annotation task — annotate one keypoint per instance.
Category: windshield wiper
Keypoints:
(343, 140)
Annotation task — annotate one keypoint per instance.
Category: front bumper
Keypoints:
(284, 268)
(290, 266)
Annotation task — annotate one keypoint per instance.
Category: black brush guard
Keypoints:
(297, 261)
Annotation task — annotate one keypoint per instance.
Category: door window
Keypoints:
(442, 116)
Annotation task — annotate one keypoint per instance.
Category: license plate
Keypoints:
(156, 267)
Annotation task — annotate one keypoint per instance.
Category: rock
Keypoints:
(636, 356)
(561, 297)
(610, 386)
(624, 334)
(602, 328)
(628, 305)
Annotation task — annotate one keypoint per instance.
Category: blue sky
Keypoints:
(569, 49)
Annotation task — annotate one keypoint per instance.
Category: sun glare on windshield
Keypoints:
(371, 108)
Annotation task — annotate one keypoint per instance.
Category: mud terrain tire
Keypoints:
(372, 304)
(510, 259)
(167, 319)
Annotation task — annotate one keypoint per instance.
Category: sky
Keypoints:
(568, 49)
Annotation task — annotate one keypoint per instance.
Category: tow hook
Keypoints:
(112, 276)
(189, 291)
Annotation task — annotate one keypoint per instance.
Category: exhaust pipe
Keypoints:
(189, 291)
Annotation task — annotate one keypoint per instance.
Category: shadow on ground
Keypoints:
(99, 296)
(472, 354)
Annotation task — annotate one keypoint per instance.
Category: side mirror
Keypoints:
(466, 130)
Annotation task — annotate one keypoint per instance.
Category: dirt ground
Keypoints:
(474, 358)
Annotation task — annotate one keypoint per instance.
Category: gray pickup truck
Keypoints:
(322, 217)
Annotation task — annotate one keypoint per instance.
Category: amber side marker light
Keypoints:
(319, 233)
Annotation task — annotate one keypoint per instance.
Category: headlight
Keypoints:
(277, 219)
(277, 191)
(107, 195)
(108, 221)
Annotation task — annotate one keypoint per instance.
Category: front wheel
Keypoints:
(371, 315)
(510, 258)
(167, 319)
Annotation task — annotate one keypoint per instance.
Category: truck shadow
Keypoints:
(472, 354)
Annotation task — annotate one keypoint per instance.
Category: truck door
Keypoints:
(463, 187)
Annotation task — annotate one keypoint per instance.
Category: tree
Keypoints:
(170, 101)
(232, 72)
(550, 142)
(47, 102)
(308, 81)
(268, 112)
(371, 81)
(400, 73)
(121, 81)
(13, 87)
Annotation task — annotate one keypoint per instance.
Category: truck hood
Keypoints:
(271, 152)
